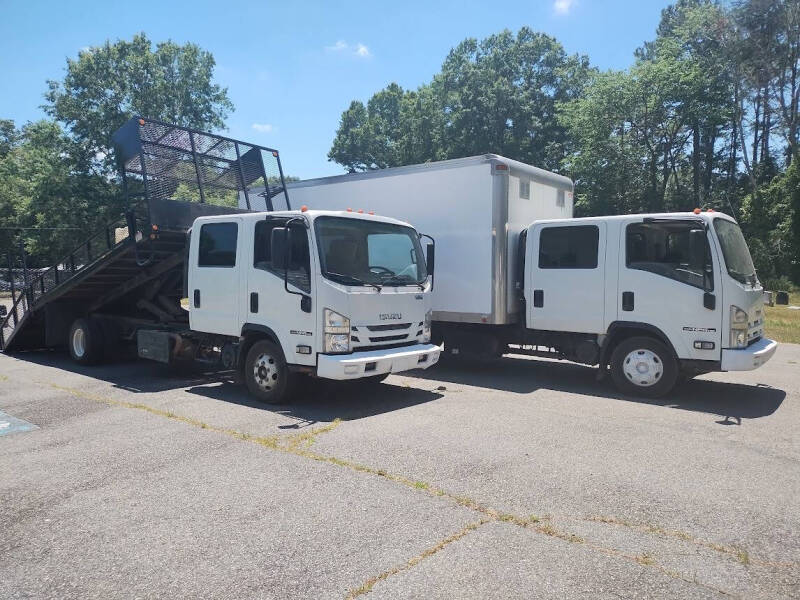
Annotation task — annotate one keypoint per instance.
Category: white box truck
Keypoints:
(654, 297)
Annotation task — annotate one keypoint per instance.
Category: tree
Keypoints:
(48, 200)
(496, 95)
(108, 84)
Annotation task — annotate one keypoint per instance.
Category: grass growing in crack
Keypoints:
(645, 559)
(367, 586)
(299, 445)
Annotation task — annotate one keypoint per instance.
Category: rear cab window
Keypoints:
(570, 247)
(217, 245)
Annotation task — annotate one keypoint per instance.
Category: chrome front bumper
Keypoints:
(377, 362)
(747, 359)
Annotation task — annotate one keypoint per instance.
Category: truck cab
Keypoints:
(654, 297)
(334, 294)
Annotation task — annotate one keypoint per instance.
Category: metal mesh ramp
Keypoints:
(170, 176)
(167, 162)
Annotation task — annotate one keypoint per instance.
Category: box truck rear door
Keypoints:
(565, 290)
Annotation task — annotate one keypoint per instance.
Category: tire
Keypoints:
(267, 375)
(643, 366)
(86, 341)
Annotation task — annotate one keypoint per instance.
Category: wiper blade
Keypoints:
(354, 280)
(400, 279)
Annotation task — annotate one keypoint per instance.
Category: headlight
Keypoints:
(738, 331)
(334, 322)
(337, 343)
(337, 332)
(426, 327)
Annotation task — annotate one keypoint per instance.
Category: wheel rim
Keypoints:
(265, 372)
(79, 342)
(643, 367)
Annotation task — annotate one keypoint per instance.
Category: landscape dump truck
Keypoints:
(657, 298)
(274, 294)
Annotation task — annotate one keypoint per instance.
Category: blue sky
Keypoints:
(291, 68)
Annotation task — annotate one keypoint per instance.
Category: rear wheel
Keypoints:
(643, 366)
(86, 341)
(267, 375)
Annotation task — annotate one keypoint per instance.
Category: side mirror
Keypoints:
(430, 258)
(305, 304)
(278, 243)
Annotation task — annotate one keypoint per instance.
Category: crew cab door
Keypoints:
(564, 280)
(214, 277)
(667, 275)
(279, 300)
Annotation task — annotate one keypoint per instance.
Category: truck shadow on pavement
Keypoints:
(313, 402)
(322, 402)
(731, 401)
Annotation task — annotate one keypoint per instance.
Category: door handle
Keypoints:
(538, 298)
(197, 298)
(253, 302)
(627, 301)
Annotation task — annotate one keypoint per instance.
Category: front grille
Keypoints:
(389, 327)
(388, 338)
(396, 334)
(384, 346)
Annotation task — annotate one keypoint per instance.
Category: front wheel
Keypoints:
(267, 375)
(643, 366)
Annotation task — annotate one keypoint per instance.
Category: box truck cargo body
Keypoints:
(474, 207)
(652, 298)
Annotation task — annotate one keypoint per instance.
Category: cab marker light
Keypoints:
(303, 208)
(361, 211)
(696, 211)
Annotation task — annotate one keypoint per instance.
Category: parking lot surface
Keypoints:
(516, 479)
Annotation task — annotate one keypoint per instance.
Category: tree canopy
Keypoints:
(107, 85)
(706, 116)
(57, 177)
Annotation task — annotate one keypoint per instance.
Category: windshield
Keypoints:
(362, 252)
(734, 249)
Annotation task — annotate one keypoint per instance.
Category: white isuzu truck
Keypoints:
(333, 294)
(652, 298)
(188, 278)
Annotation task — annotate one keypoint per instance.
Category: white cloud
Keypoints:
(262, 127)
(342, 47)
(339, 46)
(562, 7)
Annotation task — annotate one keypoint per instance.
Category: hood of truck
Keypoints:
(393, 316)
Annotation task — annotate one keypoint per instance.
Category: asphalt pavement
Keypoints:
(520, 478)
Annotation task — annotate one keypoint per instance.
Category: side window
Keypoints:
(300, 261)
(524, 189)
(218, 245)
(572, 247)
(669, 249)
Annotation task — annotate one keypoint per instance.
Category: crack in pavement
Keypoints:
(299, 445)
(367, 586)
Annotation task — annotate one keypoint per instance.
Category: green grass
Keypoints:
(783, 324)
